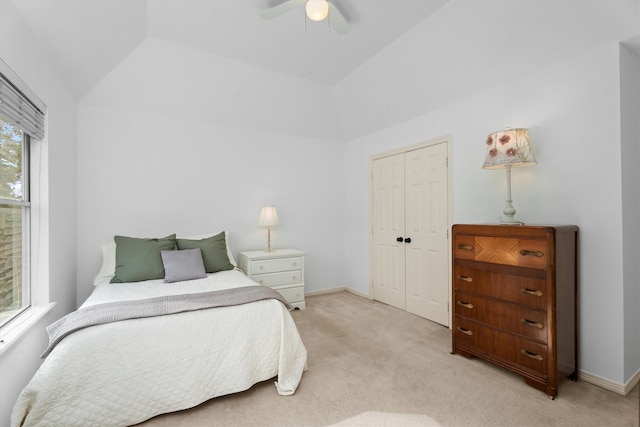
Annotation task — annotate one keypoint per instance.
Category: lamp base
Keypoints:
(510, 221)
(509, 211)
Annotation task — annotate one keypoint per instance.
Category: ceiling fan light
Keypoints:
(317, 10)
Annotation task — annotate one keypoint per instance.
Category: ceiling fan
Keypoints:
(317, 10)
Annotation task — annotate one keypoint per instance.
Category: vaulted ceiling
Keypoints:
(85, 39)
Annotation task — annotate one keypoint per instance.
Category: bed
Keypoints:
(124, 372)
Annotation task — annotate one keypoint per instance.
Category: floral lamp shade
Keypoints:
(508, 148)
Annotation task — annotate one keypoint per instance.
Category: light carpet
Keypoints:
(386, 419)
(370, 362)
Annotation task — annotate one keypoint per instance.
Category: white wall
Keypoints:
(176, 140)
(630, 124)
(57, 268)
(572, 112)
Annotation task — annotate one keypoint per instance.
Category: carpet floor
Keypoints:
(373, 365)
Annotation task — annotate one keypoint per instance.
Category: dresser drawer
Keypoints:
(276, 264)
(531, 291)
(503, 315)
(500, 346)
(278, 279)
(517, 251)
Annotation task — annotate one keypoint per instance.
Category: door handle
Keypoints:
(407, 240)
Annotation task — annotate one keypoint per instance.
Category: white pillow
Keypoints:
(108, 268)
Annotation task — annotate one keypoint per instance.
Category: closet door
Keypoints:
(388, 254)
(427, 255)
(409, 213)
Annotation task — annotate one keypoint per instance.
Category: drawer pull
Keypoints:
(295, 264)
(465, 247)
(534, 292)
(294, 277)
(262, 267)
(532, 323)
(465, 304)
(464, 331)
(465, 278)
(525, 252)
(532, 355)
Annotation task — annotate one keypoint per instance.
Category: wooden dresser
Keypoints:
(514, 299)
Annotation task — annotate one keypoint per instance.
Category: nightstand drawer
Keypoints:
(274, 265)
(278, 279)
(292, 293)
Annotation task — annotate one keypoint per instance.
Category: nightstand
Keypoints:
(282, 270)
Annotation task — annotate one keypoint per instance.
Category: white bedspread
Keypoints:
(125, 372)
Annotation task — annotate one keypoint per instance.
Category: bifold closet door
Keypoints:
(410, 267)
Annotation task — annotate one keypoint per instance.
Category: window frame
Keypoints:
(25, 204)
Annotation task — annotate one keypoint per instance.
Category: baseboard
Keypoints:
(608, 384)
(324, 291)
(333, 290)
(358, 293)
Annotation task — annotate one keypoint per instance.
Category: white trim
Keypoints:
(339, 289)
(608, 384)
(324, 291)
(12, 332)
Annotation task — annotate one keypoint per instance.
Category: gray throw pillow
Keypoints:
(214, 251)
(183, 265)
(139, 259)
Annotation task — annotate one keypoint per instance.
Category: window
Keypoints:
(21, 124)
(14, 220)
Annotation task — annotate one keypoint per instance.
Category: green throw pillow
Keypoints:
(214, 252)
(139, 259)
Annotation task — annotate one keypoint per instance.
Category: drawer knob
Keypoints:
(465, 304)
(530, 355)
(465, 247)
(465, 278)
(262, 267)
(465, 331)
(525, 252)
(295, 264)
(534, 292)
(531, 323)
(294, 277)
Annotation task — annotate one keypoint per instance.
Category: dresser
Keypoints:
(282, 270)
(514, 299)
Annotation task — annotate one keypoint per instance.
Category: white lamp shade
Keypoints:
(268, 217)
(317, 10)
(508, 147)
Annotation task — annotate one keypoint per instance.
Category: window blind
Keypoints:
(16, 107)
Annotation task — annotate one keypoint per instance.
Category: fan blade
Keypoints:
(281, 9)
(338, 21)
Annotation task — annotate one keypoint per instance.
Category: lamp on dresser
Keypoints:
(268, 218)
(507, 149)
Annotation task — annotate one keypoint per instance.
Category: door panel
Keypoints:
(388, 224)
(427, 277)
